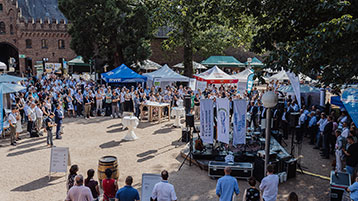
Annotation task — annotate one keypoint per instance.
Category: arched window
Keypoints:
(28, 43)
(44, 44)
(11, 29)
(61, 44)
(1, 7)
(2, 28)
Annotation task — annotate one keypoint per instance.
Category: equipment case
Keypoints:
(240, 170)
(339, 181)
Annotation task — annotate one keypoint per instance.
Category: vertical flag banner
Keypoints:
(295, 82)
(239, 122)
(207, 120)
(350, 102)
(1, 112)
(250, 82)
(223, 119)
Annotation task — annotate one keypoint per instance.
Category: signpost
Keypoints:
(22, 56)
(60, 159)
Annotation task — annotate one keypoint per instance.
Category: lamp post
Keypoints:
(249, 60)
(269, 100)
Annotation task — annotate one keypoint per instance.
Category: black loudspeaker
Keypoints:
(187, 104)
(189, 120)
(294, 116)
(185, 135)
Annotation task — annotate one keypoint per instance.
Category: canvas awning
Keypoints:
(10, 78)
(165, 74)
(222, 61)
(10, 88)
(196, 65)
(78, 61)
(122, 74)
(215, 76)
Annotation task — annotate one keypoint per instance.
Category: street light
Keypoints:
(269, 100)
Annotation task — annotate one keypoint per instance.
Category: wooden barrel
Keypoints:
(107, 162)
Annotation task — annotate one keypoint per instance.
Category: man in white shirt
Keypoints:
(163, 191)
(345, 130)
(12, 122)
(32, 118)
(321, 123)
(78, 192)
(39, 117)
(269, 185)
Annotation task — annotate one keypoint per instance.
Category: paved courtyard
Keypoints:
(24, 168)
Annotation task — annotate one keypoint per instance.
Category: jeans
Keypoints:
(49, 137)
(318, 139)
(12, 134)
(58, 129)
(99, 105)
(115, 110)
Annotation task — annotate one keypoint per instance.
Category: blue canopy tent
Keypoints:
(336, 100)
(122, 74)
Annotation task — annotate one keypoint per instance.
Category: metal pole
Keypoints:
(268, 138)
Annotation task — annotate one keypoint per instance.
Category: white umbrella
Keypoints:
(195, 65)
(2, 66)
(147, 65)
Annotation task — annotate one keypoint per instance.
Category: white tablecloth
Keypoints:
(178, 112)
(130, 122)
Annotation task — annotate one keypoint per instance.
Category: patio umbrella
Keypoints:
(10, 78)
(195, 66)
(11, 88)
(2, 65)
(147, 65)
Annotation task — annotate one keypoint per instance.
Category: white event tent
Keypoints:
(215, 76)
(165, 76)
(195, 66)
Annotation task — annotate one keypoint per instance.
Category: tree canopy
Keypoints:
(115, 31)
(313, 37)
(199, 26)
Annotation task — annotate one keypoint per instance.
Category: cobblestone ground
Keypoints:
(24, 168)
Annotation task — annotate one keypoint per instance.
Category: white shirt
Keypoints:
(164, 191)
(322, 123)
(31, 113)
(345, 132)
(12, 118)
(79, 193)
(39, 113)
(269, 186)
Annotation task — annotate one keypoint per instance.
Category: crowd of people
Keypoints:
(48, 99)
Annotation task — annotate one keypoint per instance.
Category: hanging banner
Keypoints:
(1, 112)
(192, 84)
(239, 122)
(223, 121)
(350, 101)
(241, 87)
(207, 120)
(295, 82)
(250, 82)
(201, 85)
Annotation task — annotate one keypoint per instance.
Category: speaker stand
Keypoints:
(190, 154)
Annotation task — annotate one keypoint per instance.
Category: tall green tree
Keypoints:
(117, 31)
(315, 37)
(199, 26)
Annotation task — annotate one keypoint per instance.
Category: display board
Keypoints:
(148, 182)
(60, 159)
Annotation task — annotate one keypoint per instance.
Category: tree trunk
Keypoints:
(188, 53)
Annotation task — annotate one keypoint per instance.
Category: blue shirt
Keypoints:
(226, 187)
(269, 186)
(127, 193)
(312, 122)
(354, 191)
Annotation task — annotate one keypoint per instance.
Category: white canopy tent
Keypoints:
(2, 66)
(164, 76)
(243, 75)
(282, 76)
(215, 76)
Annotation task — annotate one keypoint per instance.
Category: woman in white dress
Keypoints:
(18, 125)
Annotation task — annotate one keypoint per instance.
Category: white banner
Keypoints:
(241, 87)
(239, 122)
(192, 84)
(223, 119)
(295, 82)
(207, 120)
(201, 85)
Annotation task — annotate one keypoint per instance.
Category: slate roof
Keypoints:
(41, 9)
